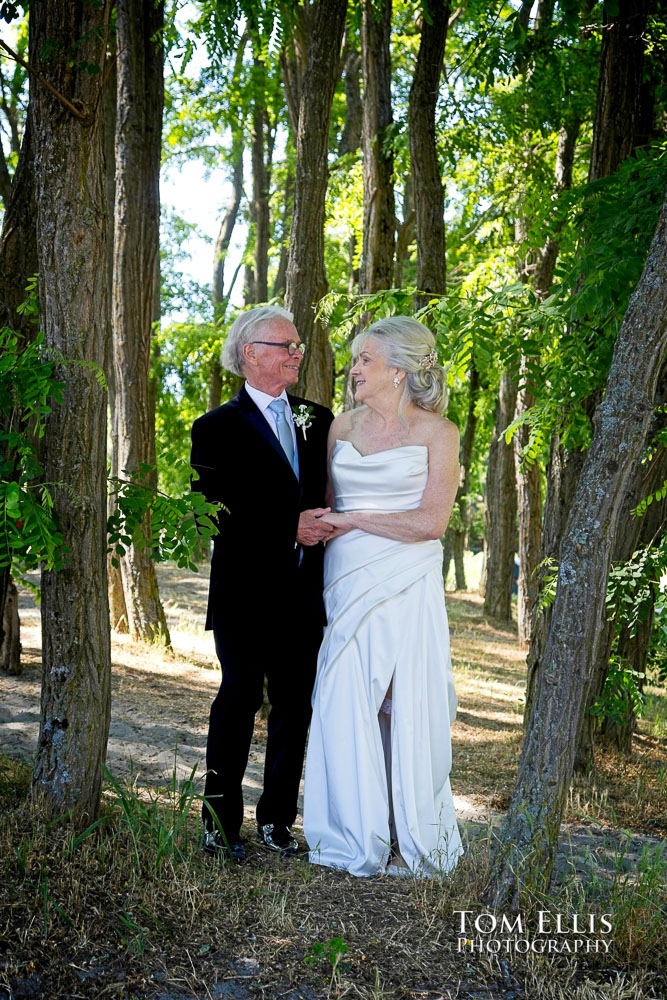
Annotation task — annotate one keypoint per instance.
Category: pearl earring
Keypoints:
(397, 381)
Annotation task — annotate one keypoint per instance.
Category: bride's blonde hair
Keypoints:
(407, 344)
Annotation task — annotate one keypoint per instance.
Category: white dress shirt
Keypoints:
(262, 401)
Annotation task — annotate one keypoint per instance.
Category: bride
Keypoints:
(377, 792)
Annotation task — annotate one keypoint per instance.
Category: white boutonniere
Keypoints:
(303, 417)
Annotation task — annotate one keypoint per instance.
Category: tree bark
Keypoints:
(350, 140)
(529, 505)
(117, 608)
(5, 178)
(528, 839)
(261, 148)
(11, 111)
(218, 296)
(136, 237)
(500, 509)
(621, 102)
(71, 242)
(293, 60)
(18, 263)
(543, 275)
(377, 261)
(306, 278)
(224, 236)
(636, 533)
(18, 246)
(10, 641)
(459, 537)
(288, 208)
(563, 471)
(405, 232)
(446, 557)
(529, 509)
(429, 195)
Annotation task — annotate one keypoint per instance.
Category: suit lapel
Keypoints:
(251, 413)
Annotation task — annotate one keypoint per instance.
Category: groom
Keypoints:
(265, 598)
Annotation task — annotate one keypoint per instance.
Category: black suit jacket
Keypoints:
(256, 579)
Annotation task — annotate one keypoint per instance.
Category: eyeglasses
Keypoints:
(290, 345)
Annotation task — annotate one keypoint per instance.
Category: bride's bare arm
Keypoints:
(431, 518)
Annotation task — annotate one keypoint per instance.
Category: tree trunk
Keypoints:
(528, 839)
(426, 175)
(459, 537)
(350, 140)
(136, 236)
(405, 232)
(224, 236)
(529, 509)
(377, 261)
(261, 183)
(10, 643)
(226, 230)
(117, 608)
(306, 277)
(636, 532)
(350, 143)
(5, 178)
(528, 473)
(563, 471)
(293, 59)
(71, 243)
(18, 263)
(529, 504)
(543, 275)
(288, 208)
(633, 649)
(621, 103)
(500, 509)
(220, 300)
(18, 247)
(446, 557)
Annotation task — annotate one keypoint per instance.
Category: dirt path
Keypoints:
(160, 702)
(160, 705)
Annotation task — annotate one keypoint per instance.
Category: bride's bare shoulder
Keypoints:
(440, 432)
(344, 423)
(434, 424)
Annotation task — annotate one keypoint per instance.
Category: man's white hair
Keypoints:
(244, 329)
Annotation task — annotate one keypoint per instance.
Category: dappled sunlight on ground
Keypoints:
(161, 701)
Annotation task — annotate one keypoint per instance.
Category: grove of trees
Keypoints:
(497, 169)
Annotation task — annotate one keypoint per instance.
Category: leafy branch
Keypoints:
(169, 527)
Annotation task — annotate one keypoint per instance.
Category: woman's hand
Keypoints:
(340, 523)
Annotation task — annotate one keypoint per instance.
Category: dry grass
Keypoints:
(106, 916)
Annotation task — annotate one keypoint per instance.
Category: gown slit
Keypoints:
(384, 721)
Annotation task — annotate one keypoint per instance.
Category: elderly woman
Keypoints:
(377, 794)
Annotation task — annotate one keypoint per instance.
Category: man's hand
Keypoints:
(312, 529)
(341, 524)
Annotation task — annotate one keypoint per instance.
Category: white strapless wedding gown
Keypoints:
(387, 624)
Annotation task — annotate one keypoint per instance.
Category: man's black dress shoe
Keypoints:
(278, 837)
(213, 842)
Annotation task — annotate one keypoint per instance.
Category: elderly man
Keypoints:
(263, 455)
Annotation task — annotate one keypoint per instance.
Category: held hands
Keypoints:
(312, 526)
(339, 522)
